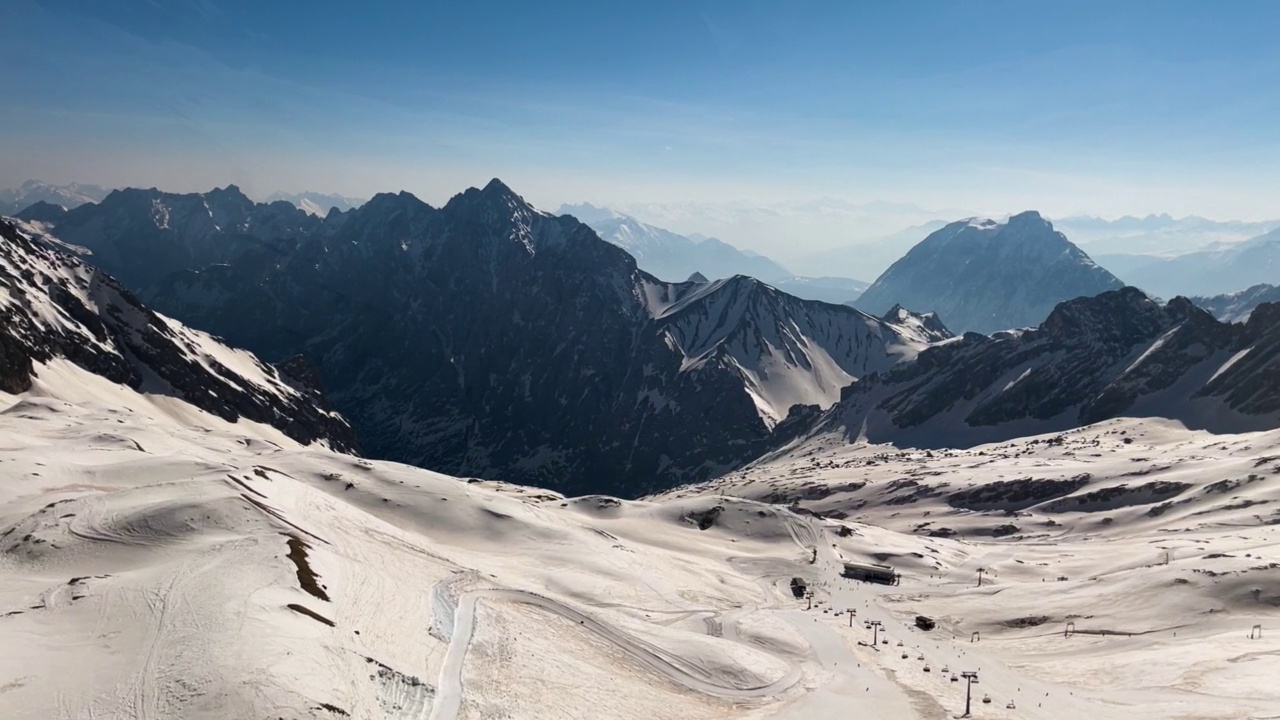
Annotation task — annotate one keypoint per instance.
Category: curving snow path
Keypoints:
(448, 700)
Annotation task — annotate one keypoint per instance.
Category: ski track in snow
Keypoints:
(449, 692)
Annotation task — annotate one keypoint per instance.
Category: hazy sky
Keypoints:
(1106, 108)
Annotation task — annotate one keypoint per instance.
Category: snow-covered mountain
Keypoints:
(785, 350)
(1238, 306)
(670, 256)
(1216, 271)
(924, 326)
(1117, 354)
(983, 276)
(69, 196)
(54, 309)
(487, 338)
(318, 204)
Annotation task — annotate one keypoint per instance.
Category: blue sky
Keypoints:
(1080, 107)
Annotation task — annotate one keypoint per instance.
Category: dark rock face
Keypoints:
(1119, 353)
(983, 276)
(488, 339)
(1013, 495)
(141, 236)
(58, 307)
(42, 212)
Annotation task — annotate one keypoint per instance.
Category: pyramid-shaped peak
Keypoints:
(497, 187)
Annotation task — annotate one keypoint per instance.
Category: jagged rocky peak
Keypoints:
(985, 276)
(52, 306)
(495, 193)
(1124, 313)
(928, 323)
(698, 278)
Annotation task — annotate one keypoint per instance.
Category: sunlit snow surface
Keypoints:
(158, 562)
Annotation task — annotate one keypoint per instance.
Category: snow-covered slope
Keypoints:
(984, 276)
(1238, 306)
(787, 351)
(167, 564)
(53, 306)
(1133, 560)
(157, 562)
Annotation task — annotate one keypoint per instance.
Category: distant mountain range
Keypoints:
(316, 203)
(672, 256)
(1239, 306)
(1159, 235)
(983, 276)
(73, 195)
(1116, 354)
(486, 338)
(1216, 271)
(33, 191)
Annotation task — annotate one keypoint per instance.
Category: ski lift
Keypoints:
(899, 643)
(904, 656)
(945, 669)
(986, 699)
(1011, 706)
(926, 668)
(920, 656)
(955, 678)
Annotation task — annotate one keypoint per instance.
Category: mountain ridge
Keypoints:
(487, 338)
(1094, 358)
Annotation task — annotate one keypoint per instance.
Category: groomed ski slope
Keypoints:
(157, 562)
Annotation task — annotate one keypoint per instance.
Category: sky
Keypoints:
(1102, 108)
